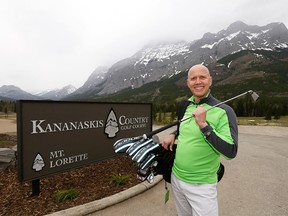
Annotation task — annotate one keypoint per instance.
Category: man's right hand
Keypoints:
(168, 142)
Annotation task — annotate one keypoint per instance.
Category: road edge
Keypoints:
(97, 205)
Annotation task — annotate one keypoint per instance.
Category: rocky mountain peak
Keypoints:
(58, 94)
(15, 93)
(237, 26)
(163, 60)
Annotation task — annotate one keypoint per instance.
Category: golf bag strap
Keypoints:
(182, 108)
(180, 113)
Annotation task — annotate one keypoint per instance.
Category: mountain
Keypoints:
(11, 92)
(163, 61)
(5, 99)
(58, 94)
(15, 93)
(157, 64)
(93, 83)
(263, 71)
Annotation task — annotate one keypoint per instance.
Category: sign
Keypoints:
(58, 136)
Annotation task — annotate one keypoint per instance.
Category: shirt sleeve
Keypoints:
(223, 140)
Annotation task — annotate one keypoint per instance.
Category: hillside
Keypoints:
(263, 71)
(156, 62)
(252, 53)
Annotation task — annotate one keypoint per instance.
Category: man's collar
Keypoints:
(202, 100)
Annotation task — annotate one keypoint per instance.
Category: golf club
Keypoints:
(145, 151)
(254, 96)
(123, 144)
(148, 161)
(138, 145)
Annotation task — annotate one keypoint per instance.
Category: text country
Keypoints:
(123, 120)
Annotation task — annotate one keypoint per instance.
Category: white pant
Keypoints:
(194, 199)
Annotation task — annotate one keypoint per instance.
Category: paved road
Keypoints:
(255, 183)
(7, 125)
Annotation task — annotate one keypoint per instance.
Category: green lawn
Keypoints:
(8, 116)
(166, 119)
(283, 121)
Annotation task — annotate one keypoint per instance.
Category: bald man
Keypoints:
(201, 142)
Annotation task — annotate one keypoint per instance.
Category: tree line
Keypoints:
(266, 107)
(7, 107)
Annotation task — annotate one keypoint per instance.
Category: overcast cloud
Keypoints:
(50, 44)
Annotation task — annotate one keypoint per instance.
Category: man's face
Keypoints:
(199, 81)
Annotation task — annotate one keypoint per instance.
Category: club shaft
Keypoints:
(223, 102)
(233, 98)
(150, 134)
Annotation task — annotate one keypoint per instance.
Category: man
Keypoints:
(201, 141)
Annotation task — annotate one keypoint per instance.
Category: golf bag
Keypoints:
(163, 159)
(163, 163)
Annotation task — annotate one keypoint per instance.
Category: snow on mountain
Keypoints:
(161, 52)
(15, 93)
(95, 79)
(267, 37)
(158, 61)
(58, 94)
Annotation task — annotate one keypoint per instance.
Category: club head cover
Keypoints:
(149, 161)
(122, 145)
(134, 148)
(127, 140)
(157, 162)
(142, 174)
(145, 151)
(155, 139)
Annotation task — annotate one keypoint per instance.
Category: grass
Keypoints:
(260, 121)
(4, 143)
(282, 121)
(166, 119)
(68, 194)
(8, 116)
(119, 179)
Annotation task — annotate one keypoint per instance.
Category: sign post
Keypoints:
(35, 187)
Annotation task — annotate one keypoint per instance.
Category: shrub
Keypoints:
(119, 179)
(64, 195)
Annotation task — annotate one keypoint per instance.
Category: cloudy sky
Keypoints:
(48, 44)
